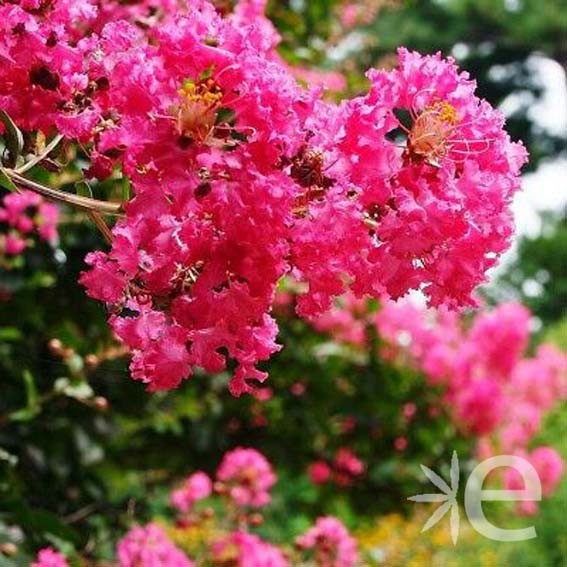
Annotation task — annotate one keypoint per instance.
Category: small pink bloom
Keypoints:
(149, 546)
(242, 549)
(400, 444)
(348, 463)
(550, 469)
(197, 487)
(298, 389)
(248, 476)
(332, 544)
(14, 244)
(348, 424)
(480, 406)
(263, 394)
(409, 410)
(48, 557)
(319, 472)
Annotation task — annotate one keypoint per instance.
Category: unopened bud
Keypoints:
(100, 403)
(256, 519)
(91, 361)
(8, 549)
(56, 347)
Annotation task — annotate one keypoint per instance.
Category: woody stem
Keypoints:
(85, 203)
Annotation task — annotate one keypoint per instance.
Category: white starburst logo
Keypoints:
(448, 497)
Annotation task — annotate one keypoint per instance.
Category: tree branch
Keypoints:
(85, 203)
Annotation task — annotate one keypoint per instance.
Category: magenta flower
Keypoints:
(332, 544)
(247, 476)
(25, 215)
(319, 472)
(347, 466)
(241, 176)
(480, 406)
(197, 487)
(492, 389)
(242, 549)
(149, 546)
(48, 557)
(550, 469)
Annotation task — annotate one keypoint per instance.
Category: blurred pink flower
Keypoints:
(331, 542)
(48, 557)
(549, 467)
(241, 549)
(401, 444)
(319, 472)
(149, 546)
(197, 487)
(248, 477)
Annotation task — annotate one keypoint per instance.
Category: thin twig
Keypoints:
(97, 219)
(85, 203)
(80, 514)
(39, 158)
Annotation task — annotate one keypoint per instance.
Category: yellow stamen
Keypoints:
(197, 113)
(445, 111)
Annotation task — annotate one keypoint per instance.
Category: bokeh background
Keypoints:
(85, 451)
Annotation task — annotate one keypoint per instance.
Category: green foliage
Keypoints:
(537, 276)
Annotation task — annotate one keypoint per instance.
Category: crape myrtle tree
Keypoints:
(240, 176)
(211, 169)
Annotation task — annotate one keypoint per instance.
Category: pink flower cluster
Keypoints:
(149, 546)
(549, 467)
(242, 176)
(22, 216)
(491, 388)
(346, 321)
(244, 479)
(333, 545)
(247, 477)
(343, 471)
(48, 557)
(359, 12)
(243, 549)
(244, 476)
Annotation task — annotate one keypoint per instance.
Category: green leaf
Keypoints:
(13, 137)
(225, 116)
(25, 414)
(43, 522)
(83, 189)
(77, 390)
(33, 406)
(6, 457)
(10, 334)
(126, 189)
(6, 182)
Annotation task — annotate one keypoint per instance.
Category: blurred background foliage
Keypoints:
(84, 449)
